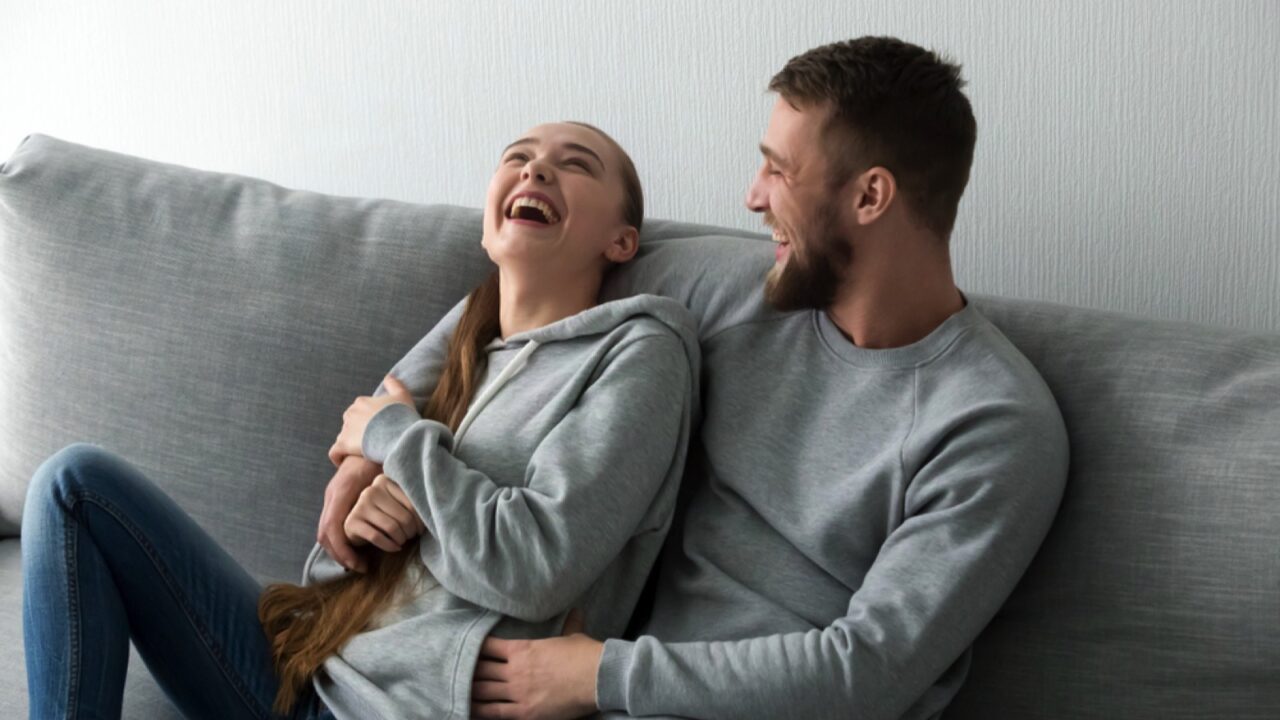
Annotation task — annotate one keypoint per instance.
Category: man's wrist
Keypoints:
(587, 700)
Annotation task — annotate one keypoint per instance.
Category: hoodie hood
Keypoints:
(596, 320)
(606, 316)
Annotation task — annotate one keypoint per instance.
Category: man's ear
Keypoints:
(874, 191)
(623, 247)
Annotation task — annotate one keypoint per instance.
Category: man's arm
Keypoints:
(979, 504)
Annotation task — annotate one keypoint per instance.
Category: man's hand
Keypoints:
(357, 416)
(537, 679)
(354, 475)
(384, 517)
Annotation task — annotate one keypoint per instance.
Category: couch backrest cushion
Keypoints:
(208, 327)
(1157, 592)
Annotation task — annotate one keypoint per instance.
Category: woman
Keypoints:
(542, 477)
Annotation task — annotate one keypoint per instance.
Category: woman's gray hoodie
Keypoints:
(556, 492)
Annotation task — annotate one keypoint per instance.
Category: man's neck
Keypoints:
(895, 305)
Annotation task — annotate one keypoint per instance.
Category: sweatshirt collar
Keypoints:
(917, 353)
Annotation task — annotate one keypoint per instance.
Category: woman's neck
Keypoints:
(528, 303)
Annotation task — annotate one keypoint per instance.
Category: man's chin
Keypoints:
(788, 287)
(781, 289)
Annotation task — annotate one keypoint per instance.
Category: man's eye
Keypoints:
(578, 162)
(517, 156)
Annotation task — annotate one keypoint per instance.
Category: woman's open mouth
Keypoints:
(533, 208)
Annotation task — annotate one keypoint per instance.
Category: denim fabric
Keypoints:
(108, 557)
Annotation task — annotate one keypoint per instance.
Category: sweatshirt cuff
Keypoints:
(611, 676)
(384, 429)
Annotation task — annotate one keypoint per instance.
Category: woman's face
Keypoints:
(555, 203)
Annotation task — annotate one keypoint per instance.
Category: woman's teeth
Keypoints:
(527, 208)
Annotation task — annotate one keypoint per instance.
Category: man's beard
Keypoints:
(812, 274)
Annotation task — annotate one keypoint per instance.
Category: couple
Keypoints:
(874, 468)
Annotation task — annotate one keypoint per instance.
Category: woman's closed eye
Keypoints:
(579, 163)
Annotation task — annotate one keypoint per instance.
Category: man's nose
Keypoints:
(757, 199)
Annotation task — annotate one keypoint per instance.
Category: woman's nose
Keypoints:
(537, 170)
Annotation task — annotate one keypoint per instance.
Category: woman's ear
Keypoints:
(623, 247)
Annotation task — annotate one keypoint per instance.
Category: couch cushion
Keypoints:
(207, 327)
(1157, 592)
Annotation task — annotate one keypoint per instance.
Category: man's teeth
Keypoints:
(547, 212)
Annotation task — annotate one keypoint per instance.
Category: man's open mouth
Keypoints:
(533, 209)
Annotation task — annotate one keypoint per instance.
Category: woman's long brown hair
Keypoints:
(308, 624)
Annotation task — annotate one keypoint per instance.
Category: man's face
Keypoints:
(793, 191)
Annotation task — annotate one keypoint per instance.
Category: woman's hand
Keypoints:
(359, 413)
(383, 517)
(340, 496)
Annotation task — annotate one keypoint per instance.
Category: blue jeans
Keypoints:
(108, 557)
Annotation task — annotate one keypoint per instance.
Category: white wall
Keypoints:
(1127, 156)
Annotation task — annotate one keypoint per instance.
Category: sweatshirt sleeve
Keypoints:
(420, 368)
(529, 550)
(977, 509)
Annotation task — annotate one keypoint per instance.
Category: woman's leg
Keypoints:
(106, 556)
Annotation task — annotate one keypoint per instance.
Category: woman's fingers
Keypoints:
(402, 498)
(359, 529)
(397, 390)
(368, 523)
(386, 501)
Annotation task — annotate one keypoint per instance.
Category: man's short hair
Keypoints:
(894, 105)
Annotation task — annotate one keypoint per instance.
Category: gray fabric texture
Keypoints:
(143, 305)
(856, 516)
(558, 496)
(1157, 592)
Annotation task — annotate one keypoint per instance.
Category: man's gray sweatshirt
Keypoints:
(556, 492)
(855, 516)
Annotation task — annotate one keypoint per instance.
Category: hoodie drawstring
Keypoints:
(516, 365)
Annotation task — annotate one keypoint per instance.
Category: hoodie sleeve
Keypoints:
(420, 368)
(529, 551)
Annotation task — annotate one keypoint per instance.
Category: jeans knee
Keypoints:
(65, 472)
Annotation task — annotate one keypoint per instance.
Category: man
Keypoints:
(877, 464)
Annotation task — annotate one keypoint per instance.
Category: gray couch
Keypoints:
(211, 328)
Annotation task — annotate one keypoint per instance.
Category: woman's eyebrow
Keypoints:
(521, 141)
(568, 146)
